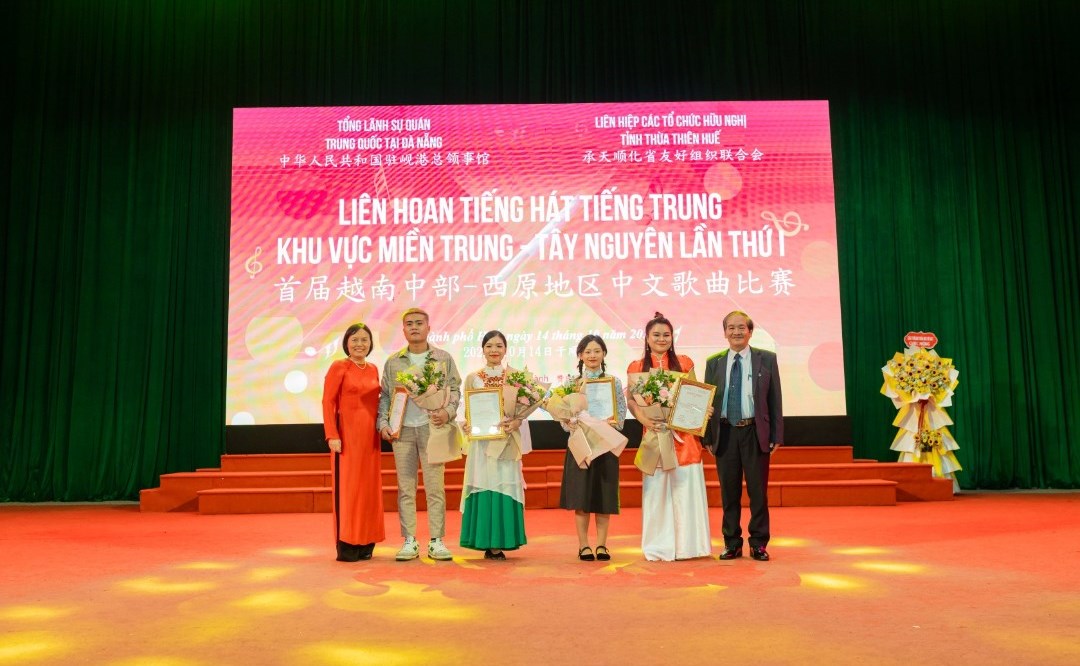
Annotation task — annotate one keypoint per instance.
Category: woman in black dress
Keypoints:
(595, 489)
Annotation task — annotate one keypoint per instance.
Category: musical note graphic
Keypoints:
(381, 184)
(253, 266)
(790, 225)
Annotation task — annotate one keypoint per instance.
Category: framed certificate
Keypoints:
(601, 396)
(398, 401)
(691, 403)
(484, 412)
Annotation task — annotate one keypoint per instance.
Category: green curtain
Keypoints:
(956, 186)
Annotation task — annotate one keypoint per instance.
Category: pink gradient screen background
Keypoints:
(292, 167)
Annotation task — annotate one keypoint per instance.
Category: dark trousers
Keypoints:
(742, 456)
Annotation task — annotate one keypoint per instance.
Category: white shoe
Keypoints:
(409, 551)
(437, 550)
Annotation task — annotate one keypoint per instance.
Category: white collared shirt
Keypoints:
(747, 383)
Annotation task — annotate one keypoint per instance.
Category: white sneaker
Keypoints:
(409, 551)
(437, 550)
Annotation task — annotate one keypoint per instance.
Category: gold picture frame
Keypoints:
(596, 388)
(689, 406)
(484, 413)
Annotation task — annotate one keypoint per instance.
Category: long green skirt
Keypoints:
(492, 520)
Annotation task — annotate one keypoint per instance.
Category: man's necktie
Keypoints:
(734, 398)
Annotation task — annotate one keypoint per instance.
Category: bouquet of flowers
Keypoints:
(527, 393)
(571, 386)
(422, 381)
(928, 440)
(426, 385)
(654, 388)
(921, 384)
(427, 388)
(919, 375)
(592, 437)
(652, 392)
(523, 393)
(935, 446)
(566, 400)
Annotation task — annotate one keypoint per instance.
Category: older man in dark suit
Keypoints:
(746, 427)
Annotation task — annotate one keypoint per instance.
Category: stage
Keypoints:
(988, 578)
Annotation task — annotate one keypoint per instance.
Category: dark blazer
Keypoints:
(768, 402)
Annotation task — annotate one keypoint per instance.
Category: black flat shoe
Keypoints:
(347, 552)
(602, 553)
(492, 555)
(759, 553)
(586, 554)
(731, 553)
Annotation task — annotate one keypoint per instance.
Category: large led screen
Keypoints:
(546, 222)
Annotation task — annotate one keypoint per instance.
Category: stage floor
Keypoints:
(989, 578)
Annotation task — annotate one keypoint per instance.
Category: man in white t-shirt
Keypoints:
(410, 445)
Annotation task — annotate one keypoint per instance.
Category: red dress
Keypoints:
(688, 451)
(350, 407)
